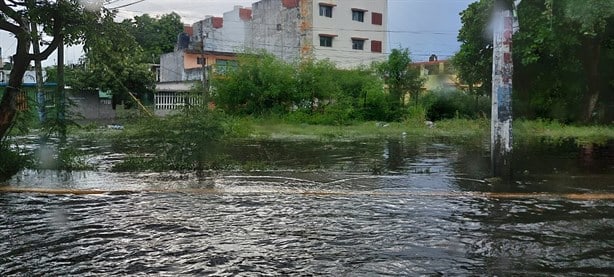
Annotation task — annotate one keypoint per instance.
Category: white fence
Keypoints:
(175, 101)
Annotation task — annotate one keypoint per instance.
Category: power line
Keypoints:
(126, 5)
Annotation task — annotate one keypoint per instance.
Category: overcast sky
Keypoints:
(424, 26)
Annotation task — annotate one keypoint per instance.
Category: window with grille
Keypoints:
(326, 41)
(358, 44)
(358, 15)
(326, 10)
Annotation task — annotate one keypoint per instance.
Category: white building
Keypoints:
(350, 33)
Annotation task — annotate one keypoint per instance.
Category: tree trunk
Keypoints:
(590, 62)
(8, 105)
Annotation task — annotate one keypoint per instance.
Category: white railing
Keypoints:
(174, 101)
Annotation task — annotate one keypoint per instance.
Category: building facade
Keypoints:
(223, 34)
(349, 33)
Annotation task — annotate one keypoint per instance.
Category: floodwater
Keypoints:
(397, 207)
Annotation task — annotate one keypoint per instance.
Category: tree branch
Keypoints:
(57, 39)
(9, 27)
(11, 13)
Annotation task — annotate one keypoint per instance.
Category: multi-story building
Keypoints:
(350, 33)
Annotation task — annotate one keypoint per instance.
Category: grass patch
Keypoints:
(555, 132)
(550, 131)
(279, 129)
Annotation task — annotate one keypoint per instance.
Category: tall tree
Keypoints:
(473, 62)
(156, 35)
(316, 83)
(401, 77)
(562, 57)
(593, 21)
(64, 20)
(113, 62)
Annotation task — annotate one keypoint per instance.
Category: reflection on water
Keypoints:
(321, 211)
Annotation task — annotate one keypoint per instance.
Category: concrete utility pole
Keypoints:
(61, 93)
(504, 26)
(40, 93)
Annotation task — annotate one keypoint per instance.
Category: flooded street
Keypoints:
(333, 208)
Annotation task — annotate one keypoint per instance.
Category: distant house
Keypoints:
(89, 105)
(438, 75)
(180, 71)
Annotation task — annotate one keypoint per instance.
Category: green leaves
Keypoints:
(561, 57)
(309, 91)
(473, 62)
(155, 35)
(591, 15)
(113, 61)
(400, 77)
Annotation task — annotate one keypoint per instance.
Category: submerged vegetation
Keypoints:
(178, 142)
(11, 161)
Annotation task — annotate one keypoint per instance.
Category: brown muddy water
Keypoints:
(397, 207)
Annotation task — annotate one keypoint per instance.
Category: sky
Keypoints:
(425, 27)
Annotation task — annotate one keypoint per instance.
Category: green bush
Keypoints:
(11, 161)
(455, 104)
(179, 142)
(314, 92)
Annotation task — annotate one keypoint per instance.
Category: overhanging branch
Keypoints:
(11, 13)
(57, 39)
(9, 27)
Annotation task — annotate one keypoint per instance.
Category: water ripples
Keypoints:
(295, 234)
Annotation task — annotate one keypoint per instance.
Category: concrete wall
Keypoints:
(275, 27)
(222, 34)
(182, 65)
(171, 67)
(234, 30)
(90, 107)
(343, 28)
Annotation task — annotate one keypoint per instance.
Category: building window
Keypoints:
(358, 15)
(224, 66)
(358, 43)
(376, 46)
(326, 41)
(201, 60)
(376, 18)
(326, 10)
